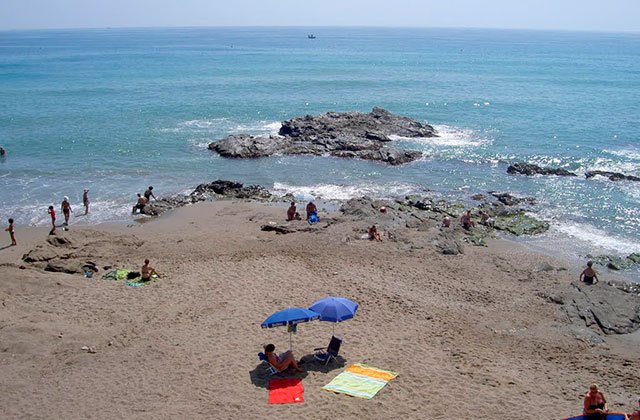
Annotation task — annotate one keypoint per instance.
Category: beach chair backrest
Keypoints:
(334, 345)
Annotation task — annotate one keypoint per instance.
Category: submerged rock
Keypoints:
(346, 134)
(532, 169)
(613, 176)
(614, 262)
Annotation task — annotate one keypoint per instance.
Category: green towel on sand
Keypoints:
(120, 274)
(364, 384)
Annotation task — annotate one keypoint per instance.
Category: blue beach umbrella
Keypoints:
(334, 309)
(290, 317)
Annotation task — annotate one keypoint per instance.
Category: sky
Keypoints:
(581, 15)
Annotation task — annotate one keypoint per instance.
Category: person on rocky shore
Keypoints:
(595, 404)
(52, 213)
(65, 206)
(446, 222)
(149, 193)
(485, 219)
(466, 221)
(292, 213)
(140, 204)
(374, 234)
(589, 275)
(85, 200)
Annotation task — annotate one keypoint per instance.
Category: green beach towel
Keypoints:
(360, 380)
(120, 274)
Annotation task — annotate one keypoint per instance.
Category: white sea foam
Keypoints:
(598, 238)
(632, 154)
(345, 192)
(449, 137)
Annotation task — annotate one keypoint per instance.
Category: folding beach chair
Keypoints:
(330, 353)
(270, 368)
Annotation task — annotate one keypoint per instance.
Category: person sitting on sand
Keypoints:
(635, 415)
(140, 204)
(374, 234)
(65, 206)
(147, 271)
(311, 208)
(589, 275)
(282, 361)
(595, 404)
(466, 221)
(292, 213)
(446, 222)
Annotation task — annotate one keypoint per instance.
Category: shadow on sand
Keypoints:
(260, 375)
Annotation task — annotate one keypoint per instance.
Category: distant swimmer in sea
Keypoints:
(65, 206)
(374, 234)
(466, 221)
(311, 208)
(149, 193)
(12, 233)
(85, 201)
(589, 275)
(52, 213)
(595, 404)
(292, 213)
(3, 152)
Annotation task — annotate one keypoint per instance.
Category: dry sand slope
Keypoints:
(470, 335)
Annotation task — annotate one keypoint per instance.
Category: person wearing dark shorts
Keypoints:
(589, 275)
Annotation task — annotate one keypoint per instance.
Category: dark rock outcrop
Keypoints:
(346, 134)
(614, 262)
(509, 199)
(531, 169)
(602, 307)
(613, 176)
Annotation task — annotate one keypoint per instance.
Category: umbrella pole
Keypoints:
(290, 345)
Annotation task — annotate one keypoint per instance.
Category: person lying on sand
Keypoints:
(147, 271)
(374, 234)
(595, 404)
(282, 361)
(589, 275)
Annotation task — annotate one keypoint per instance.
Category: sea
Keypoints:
(116, 110)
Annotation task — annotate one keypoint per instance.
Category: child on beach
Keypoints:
(85, 201)
(52, 212)
(65, 206)
(11, 233)
(374, 234)
(589, 275)
(311, 208)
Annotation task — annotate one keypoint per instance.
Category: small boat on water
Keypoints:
(311, 36)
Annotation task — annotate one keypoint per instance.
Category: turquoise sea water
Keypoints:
(115, 110)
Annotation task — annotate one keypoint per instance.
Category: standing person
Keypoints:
(85, 200)
(589, 275)
(65, 206)
(595, 404)
(311, 208)
(149, 193)
(11, 233)
(147, 271)
(52, 212)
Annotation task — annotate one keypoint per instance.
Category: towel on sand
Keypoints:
(286, 391)
(360, 380)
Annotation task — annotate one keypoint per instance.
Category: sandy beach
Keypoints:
(471, 335)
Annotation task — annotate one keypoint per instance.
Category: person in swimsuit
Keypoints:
(52, 212)
(149, 193)
(65, 206)
(374, 234)
(595, 404)
(311, 208)
(12, 233)
(292, 213)
(446, 222)
(466, 221)
(85, 201)
(139, 205)
(589, 275)
(147, 271)
(282, 361)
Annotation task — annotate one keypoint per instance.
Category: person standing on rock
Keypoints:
(149, 193)
(589, 275)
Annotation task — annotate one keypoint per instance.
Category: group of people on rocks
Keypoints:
(143, 200)
(467, 222)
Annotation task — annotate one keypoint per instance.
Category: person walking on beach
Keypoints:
(65, 206)
(147, 271)
(11, 233)
(589, 275)
(52, 213)
(85, 201)
(149, 193)
(595, 404)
